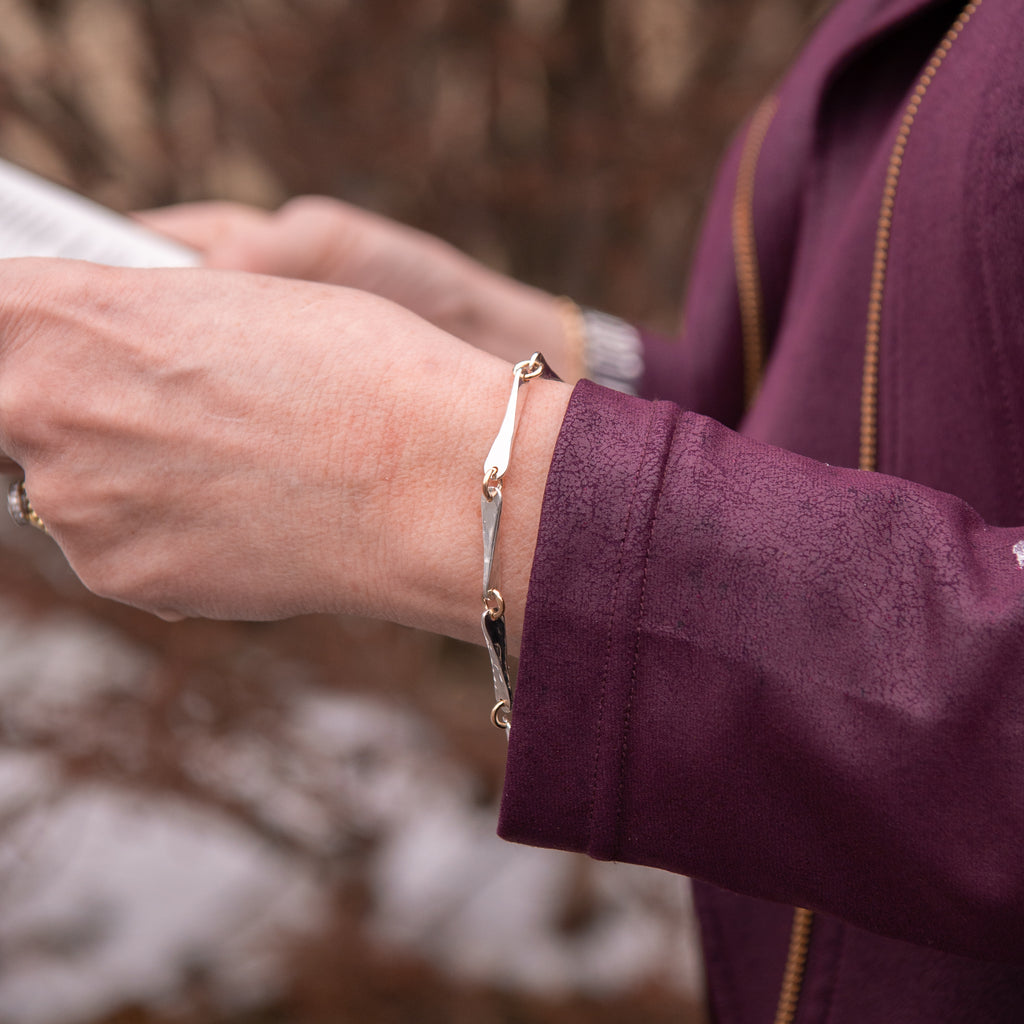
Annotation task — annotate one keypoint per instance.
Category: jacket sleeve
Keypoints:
(797, 682)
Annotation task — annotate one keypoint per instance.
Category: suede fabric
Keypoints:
(746, 661)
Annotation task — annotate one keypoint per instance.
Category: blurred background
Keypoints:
(293, 822)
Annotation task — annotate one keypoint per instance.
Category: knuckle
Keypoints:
(24, 431)
(54, 502)
(20, 403)
(37, 416)
(41, 492)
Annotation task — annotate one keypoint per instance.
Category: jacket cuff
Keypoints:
(581, 632)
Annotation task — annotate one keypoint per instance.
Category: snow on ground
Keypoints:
(109, 896)
(118, 899)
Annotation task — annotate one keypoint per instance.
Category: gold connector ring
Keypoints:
(492, 483)
(530, 368)
(494, 603)
(500, 715)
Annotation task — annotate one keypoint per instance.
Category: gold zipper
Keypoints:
(748, 274)
(869, 387)
(796, 965)
(749, 287)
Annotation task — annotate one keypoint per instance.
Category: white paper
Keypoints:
(39, 218)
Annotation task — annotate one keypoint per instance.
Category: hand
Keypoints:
(239, 446)
(319, 239)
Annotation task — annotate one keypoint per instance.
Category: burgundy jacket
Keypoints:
(747, 662)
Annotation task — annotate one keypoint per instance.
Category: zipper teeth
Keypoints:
(868, 459)
(748, 276)
(796, 962)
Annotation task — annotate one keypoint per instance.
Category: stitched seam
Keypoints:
(602, 699)
(627, 720)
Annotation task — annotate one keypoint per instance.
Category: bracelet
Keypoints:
(495, 467)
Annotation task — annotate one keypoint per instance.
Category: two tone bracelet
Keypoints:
(495, 467)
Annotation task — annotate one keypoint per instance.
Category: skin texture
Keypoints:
(236, 445)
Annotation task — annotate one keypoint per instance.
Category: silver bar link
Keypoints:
(497, 649)
(493, 618)
(490, 514)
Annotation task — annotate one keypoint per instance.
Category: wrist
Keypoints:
(433, 535)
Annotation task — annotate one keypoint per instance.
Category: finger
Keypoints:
(169, 616)
(203, 226)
